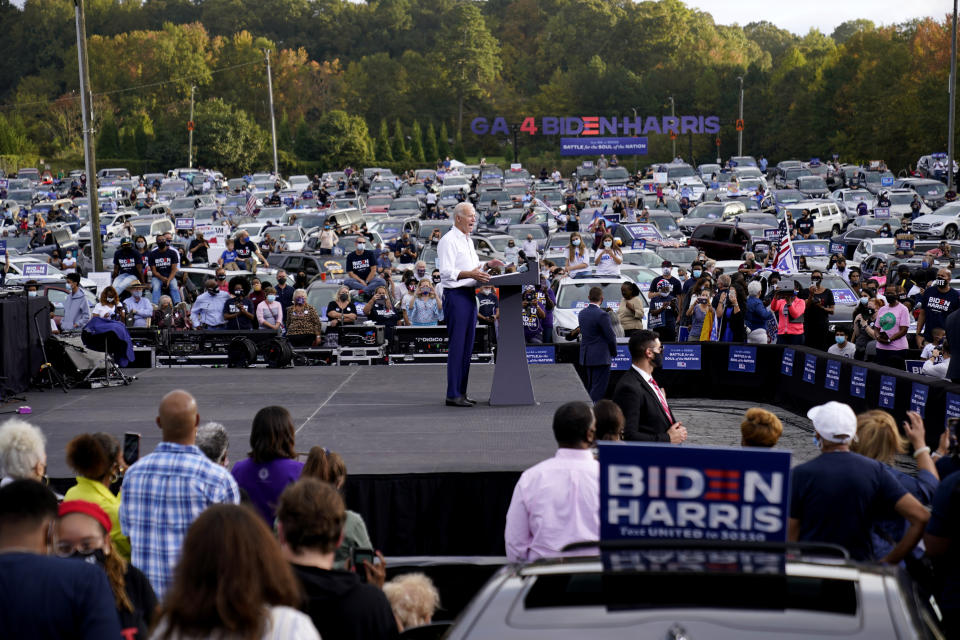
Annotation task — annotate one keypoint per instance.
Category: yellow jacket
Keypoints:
(97, 493)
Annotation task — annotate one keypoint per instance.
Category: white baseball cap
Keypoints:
(834, 421)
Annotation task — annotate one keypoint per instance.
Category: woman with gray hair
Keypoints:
(23, 454)
(212, 439)
(303, 322)
(757, 315)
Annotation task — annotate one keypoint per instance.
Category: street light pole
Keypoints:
(190, 143)
(90, 161)
(273, 122)
(953, 96)
(740, 132)
(673, 115)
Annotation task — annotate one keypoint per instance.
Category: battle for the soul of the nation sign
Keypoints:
(655, 491)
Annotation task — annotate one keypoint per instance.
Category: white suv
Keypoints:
(572, 293)
(828, 220)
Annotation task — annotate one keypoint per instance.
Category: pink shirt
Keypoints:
(555, 502)
(271, 312)
(891, 319)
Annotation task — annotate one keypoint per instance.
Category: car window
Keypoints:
(720, 234)
(573, 295)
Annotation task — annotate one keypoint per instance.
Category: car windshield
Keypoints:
(404, 205)
(857, 196)
(811, 182)
(292, 232)
(665, 223)
(379, 201)
(573, 295)
(615, 173)
(645, 258)
(876, 176)
(901, 198)
(706, 210)
(670, 204)
(678, 255)
(522, 232)
(500, 244)
(758, 218)
(789, 196)
(793, 174)
(678, 172)
(931, 189)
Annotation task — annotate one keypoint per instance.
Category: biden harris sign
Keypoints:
(654, 491)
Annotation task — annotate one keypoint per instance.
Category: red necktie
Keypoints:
(663, 400)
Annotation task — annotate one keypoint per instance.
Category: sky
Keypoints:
(800, 16)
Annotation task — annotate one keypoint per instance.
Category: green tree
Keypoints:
(845, 30)
(399, 144)
(443, 142)
(13, 136)
(430, 151)
(342, 139)
(382, 150)
(459, 152)
(227, 138)
(108, 142)
(416, 142)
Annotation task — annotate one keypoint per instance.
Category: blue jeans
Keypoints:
(156, 287)
(122, 281)
(357, 285)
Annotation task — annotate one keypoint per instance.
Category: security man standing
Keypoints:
(460, 272)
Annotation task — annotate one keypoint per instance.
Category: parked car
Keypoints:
(942, 223)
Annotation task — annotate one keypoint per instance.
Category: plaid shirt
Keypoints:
(162, 495)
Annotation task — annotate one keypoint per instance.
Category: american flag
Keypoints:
(784, 262)
(251, 204)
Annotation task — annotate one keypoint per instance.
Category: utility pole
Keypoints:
(190, 129)
(516, 153)
(273, 122)
(953, 96)
(673, 115)
(90, 160)
(740, 129)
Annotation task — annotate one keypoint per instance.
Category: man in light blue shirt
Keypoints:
(76, 309)
(138, 307)
(207, 311)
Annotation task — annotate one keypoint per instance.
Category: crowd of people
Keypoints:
(192, 548)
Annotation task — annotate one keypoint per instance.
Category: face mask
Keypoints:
(939, 282)
(815, 281)
(136, 294)
(110, 299)
(300, 300)
(283, 237)
(91, 557)
(696, 273)
(344, 297)
(891, 299)
(816, 442)
(924, 264)
(282, 280)
(657, 360)
(841, 339)
(221, 277)
(361, 246)
(607, 244)
(436, 279)
(576, 242)
(666, 271)
(162, 245)
(271, 298)
(141, 245)
(212, 290)
(257, 287)
(32, 294)
(864, 299)
(238, 292)
(421, 273)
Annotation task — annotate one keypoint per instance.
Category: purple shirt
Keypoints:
(265, 482)
(555, 502)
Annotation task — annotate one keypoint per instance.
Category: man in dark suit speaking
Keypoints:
(598, 344)
(644, 405)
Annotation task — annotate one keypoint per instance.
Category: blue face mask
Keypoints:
(696, 273)
(864, 300)
(841, 339)
(576, 242)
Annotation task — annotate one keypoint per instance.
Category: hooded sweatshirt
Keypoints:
(342, 607)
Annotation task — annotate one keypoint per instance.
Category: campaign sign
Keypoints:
(952, 408)
(185, 223)
(918, 397)
(645, 230)
(590, 146)
(858, 381)
(622, 361)
(639, 244)
(914, 366)
(742, 359)
(832, 379)
(3, 245)
(809, 368)
(905, 244)
(34, 270)
(710, 561)
(837, 247)
(786, 364)
(103, 229)
(4, 183)
(888, 392)
(683, 333)
(881, 212)
(844, 296)
(541, 355)
(681, 356)
(654, 491)
(771, 234)
(886, 181)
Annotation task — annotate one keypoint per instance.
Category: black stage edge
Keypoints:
(428, 479)
(24, 326)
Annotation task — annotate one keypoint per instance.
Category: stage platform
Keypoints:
(383, 420)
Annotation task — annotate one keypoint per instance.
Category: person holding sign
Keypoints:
(643, 402)
(890, 329)
(836, 498)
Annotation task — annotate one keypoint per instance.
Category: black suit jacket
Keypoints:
(952, 328)
(645, 418)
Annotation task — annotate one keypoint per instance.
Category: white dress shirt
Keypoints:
(556, 502)
(648, 378)
(530, 247)
(455, 253)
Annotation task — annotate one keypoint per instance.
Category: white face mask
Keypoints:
(607, 244)
(666, 271)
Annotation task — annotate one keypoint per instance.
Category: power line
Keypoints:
(21, 105)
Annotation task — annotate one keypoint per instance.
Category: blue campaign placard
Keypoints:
(905, 244)
(622, 362)
(886, 181)
(33, 269)
(592, 146)
(913, 366)
(832, 379)
(844, 296)
(681, 356)
(655, 491)
(103, 229)
(881, 212)
(858, 381)
(742, 359)
(952, 407)
(809, 368)
(786, 364)
(185, 223)
(918, 397)
(3, 245)
(837, 246)
(888, 392)
(683, 333)
(771, 234)
(541, 355)
(639, 244)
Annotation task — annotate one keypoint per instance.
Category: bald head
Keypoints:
(178, 418)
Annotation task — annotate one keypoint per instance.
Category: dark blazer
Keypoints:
(952, 328)
(598, 344)
(644, 416)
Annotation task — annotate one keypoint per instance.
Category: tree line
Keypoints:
(398, 81)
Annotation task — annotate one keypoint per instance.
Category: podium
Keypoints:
(511, 374)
